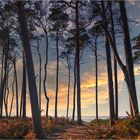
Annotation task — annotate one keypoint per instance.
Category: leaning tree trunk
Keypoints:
(30, 69)
(78, 65)
(57, 72)
(124, 69)
(128, 54)
(125, 72)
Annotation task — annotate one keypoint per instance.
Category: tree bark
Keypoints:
(40, 63)
(57, 72)
(115, 62)
(68, 93)
(3, 82)
(45, 76)
(30, 69)
(74, 88)
(110, 83)
(109, 73)
(96, 80)
(78, 65)
(23, 92)
(122, 66)
(128, 54)
(16, 86)
(6, 92)
(2, 73)
(12, 100)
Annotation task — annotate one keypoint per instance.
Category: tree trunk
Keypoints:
(109, 73)
(116, 88)
(6, 92)
(57, 72)
(125, 72)
(74, 88)
(78, 65)
(7, 95)
(30, 69)
(68, 94)
(128, 54)
(45, 76)
(96, 80)
(3, 82)
(122, 66)
(16, 86)
(23, 92)
(115, 62)
(39, 86)
(2, 73)
(110, 83)
(12, 100)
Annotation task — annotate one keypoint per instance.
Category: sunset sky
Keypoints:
(87, 77)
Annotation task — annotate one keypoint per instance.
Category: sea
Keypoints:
(90, 118)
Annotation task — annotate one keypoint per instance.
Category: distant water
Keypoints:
(90, 118)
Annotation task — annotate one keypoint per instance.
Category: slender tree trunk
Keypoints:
(40, 63)
(116, 88)
(115, 62)
(123, 67)
(24, 88)
(2, 73)
(12, 100)
(7, 88)
(78, 65)
(45, 76)
(110, 83)
(2, 67)
(125, 72)
(6, 92)
(109, 73)
(16, 86)
(128, 54)
(23, 92)
(57, 72)
(3, 82)
(74, 88)
(68, 94)
(96, 81)
(30, 69)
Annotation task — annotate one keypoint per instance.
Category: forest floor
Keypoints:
(60, 128)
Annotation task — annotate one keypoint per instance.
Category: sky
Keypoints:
(87, 77)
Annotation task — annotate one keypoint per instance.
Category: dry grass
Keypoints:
(20, 128)
(11, 128)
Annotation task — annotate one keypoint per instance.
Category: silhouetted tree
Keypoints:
(59, 22)
(30, 68)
